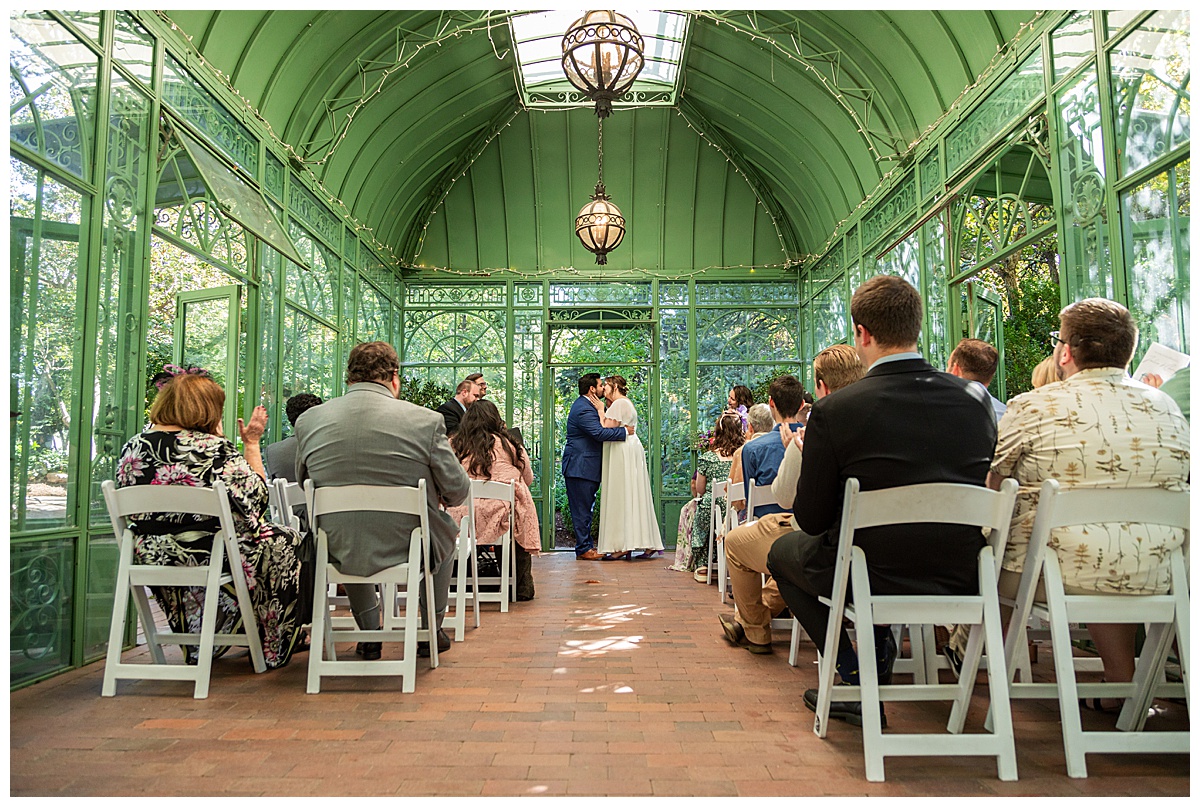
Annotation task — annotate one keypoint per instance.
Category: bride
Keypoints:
(627, 519)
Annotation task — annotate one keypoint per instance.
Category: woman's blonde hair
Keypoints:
(1044, 373)
(619, 382)
(189, 401)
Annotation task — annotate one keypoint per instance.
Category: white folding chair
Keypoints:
(716, 524)
(133, 577)
(500, 491)
(322, 655)
(734, 492)
(935, 504)
(1166, 615)
(283, 499)
(467, 568)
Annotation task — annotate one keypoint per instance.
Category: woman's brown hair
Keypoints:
(727, 434)
(189, 401)
(619, 382)
(476, 437)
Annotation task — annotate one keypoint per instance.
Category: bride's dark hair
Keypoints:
(476, 437)
(619, 382)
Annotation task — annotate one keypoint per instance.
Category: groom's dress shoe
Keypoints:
(591, 554)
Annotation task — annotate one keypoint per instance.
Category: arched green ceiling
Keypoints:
(816, 107)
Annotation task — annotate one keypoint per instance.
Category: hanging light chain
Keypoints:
(600, 153)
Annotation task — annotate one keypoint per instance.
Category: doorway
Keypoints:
(608, 343)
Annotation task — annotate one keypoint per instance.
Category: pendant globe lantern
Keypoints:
(602, 55)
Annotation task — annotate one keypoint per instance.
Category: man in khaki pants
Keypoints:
(746, 547)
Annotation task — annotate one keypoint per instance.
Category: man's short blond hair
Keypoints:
(838, 366)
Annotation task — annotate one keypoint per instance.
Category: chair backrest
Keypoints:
(758, 496)
(1068, 507)
(375, 498)
(285, 498)
(138, 499)
(930, 503)
(735, 492)
(720, 490)
(483, 489)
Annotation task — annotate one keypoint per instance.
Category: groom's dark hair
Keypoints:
(586, 382)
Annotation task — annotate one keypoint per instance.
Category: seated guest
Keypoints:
(454, 408)
(487, 451)
(1121, 434)
(746, 547)
(741, 398)
(760, 458)
(1177, 386)
(760, 422)
(976, 360)
(368, 437)
(185, 446)
(281, 457)
(713, 466)
(480, 384)
(887, 430)
(1045, 372)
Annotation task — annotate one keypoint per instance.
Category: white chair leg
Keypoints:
(966, 680)
(916, 646)
(1064, 670)
(473, 564)
(868, 674)
(794, 649)
(208, 622)
(505, 564)
(708, 578)
(998, 677)
(116, 628)
(321, 641)
(722, 568)
(141, 602)
(1146, 675)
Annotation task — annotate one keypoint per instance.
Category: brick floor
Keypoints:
(616, 681)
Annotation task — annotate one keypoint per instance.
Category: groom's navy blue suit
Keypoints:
(582, 461)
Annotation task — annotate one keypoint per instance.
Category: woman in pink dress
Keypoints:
(488, 452)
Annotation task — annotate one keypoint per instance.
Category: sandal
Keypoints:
(700, 575)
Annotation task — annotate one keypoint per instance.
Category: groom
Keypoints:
(582, 461)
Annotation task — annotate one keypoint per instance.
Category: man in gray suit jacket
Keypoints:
(368, 437)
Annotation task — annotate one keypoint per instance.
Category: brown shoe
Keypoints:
(591, 554)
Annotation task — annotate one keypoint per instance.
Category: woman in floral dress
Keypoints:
(184, 446)
(713, 467)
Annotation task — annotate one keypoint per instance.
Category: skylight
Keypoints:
(540, 78)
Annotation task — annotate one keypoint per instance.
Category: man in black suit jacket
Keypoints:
(454, 408)
(904, 423)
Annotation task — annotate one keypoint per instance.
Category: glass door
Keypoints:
(981, 316)
(623, 349)
(206, 335)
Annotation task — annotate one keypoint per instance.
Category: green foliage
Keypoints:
(762, 389)
(428, 393)
(1033, 314)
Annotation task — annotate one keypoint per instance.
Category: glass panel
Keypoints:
(1116, 20)
(746, 335)
(103, 556)
(674, 405)
(302, 203)
(1000, 109)
(746, 293)
(672, 294)
(1081, 172)
(309, 350)
(198, 106)
(238, 200)
(714, 381)
(117, 389)
(1157, 217)
(133, 47)
(528, 294)
(903, 260)
(527, 386)
(45, 341)
(583, 293)
(482, 294)
(273, 174)
(372, 315)
(41, 579)
(886, 214)
(830, 313)
(931, 180)
(311, 285)
(1151, 72)
(933, 239)
(447, 337)
(205, 337)
(269, 368)
(88, 22)
(1072, 43)
(52, 92)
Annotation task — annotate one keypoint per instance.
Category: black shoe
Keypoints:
(370, 651)
(954, 659)
(524, 597)
(890, 651)
(443, 641)
(850, 711)
(736, 634)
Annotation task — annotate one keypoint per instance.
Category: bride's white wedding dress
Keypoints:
(627, 519)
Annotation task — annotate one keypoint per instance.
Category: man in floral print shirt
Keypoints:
(1096, 428)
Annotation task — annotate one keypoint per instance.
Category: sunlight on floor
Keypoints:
(591, 648)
